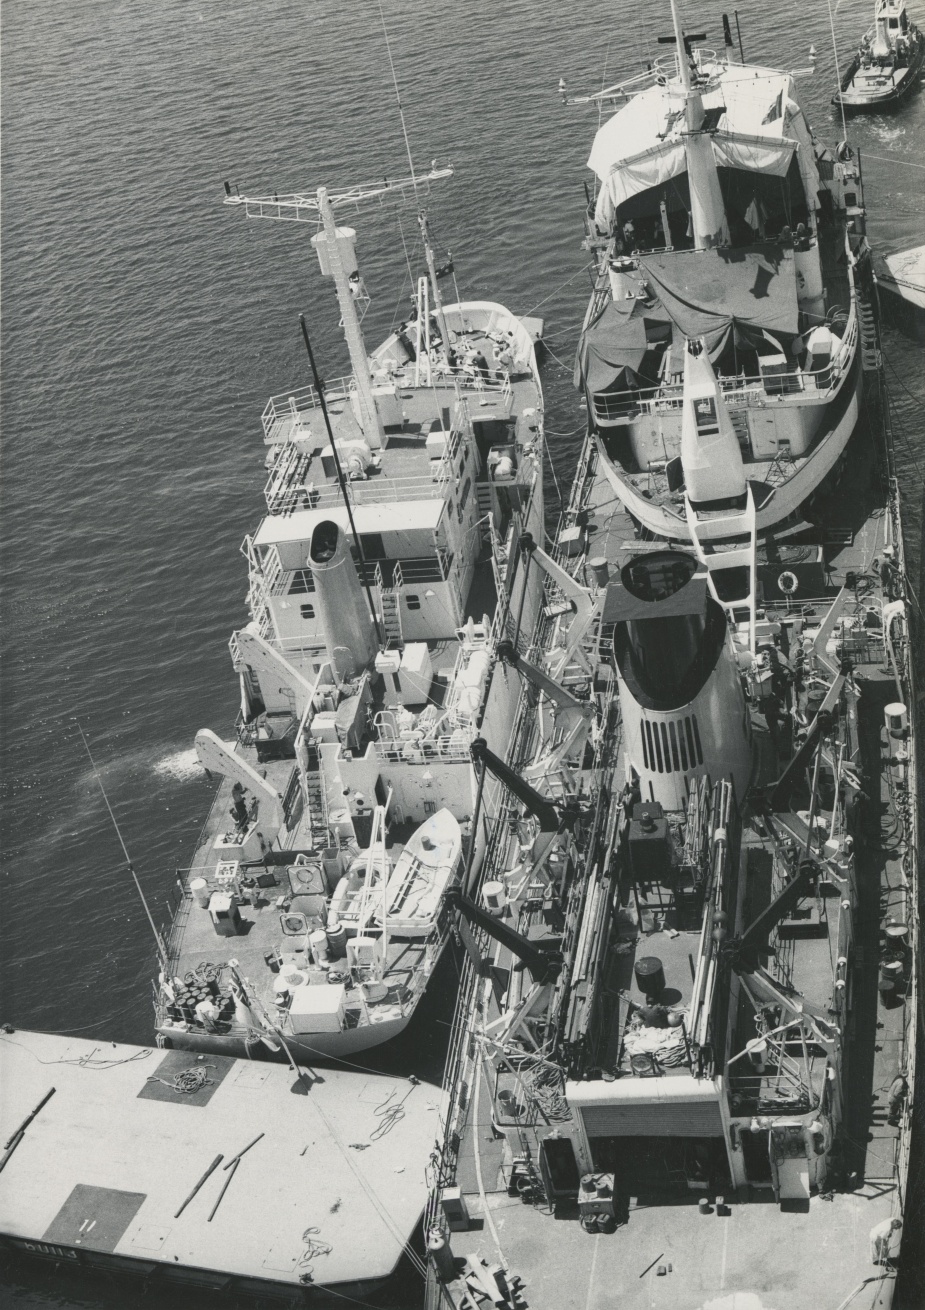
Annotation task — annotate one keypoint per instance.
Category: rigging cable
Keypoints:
(161, 948)
(401, 112)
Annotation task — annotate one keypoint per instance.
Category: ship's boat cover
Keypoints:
(616, 341)
(707, 292)
(759, 129)
(704, 293)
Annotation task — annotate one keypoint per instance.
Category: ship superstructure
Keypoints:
(719, 217)
(385, 571)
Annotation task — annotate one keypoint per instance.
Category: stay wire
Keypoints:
(401, 112)
(561, 287)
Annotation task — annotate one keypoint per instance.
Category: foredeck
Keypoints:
(329, 1194)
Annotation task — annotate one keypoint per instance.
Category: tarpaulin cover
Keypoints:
(705, 292)
(617, 341)
(642, 146)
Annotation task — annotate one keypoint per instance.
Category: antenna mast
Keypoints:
(435, 286)
(299, 208)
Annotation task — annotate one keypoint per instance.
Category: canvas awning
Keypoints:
(706, 292)
(760, 127)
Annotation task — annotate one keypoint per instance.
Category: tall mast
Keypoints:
(301, 208)
(371, 422)
(708, 214)
(435, 286)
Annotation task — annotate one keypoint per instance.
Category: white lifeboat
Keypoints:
(422, 873)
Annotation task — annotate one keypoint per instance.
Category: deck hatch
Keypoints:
(94, 1217)
(700, 1118)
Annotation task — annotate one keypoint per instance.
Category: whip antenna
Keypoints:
(401, 112)
(161, 948)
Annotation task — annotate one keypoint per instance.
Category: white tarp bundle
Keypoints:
(642, 145)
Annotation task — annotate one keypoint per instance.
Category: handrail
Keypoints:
(738, 392)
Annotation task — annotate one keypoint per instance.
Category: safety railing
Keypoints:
(742, 392)
(453, 749)
(281, 413)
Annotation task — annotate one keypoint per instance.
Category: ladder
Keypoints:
(483, 506)
(391, 618)
(738, 524)
(314, 787)
(870, 340)
(739, 420)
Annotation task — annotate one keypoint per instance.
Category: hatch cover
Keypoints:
(94, 1217)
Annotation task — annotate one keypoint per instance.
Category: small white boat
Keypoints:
(422, 873)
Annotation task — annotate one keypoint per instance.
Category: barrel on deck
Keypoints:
(650, 976)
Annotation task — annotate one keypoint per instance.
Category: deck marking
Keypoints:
(597, 1243)
(722, 1272)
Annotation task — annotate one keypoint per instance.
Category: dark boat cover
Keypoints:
(616, 342)
(708, 292)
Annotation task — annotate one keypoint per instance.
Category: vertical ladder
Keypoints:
(391, 617)
(734, 525)
(870, 339)
(739, 420)
(483, 508)
(317, 810)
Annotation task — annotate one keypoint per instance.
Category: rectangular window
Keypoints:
(430, 807)
(463, 497)
(658, 747)
(413, 602)
(307, 611)
(645, 746)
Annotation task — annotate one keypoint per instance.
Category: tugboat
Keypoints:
(384, 573)
(690, 1007)
(889, 60)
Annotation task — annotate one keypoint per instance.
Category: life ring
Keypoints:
(788, 583)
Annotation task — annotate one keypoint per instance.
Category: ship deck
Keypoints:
(193, 943)
(753, 1257)
(752, 1254)
(330, 1193)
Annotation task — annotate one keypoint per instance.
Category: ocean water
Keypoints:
(144, 326)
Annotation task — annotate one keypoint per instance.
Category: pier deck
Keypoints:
(330, 1194)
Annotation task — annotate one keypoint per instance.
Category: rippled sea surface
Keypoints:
(144, 327)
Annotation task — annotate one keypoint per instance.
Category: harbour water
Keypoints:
(144, 327)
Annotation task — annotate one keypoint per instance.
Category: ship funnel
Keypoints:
(710, 454)
(683, 707)
(349, 634)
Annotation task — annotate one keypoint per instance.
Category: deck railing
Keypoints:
(742, 392)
